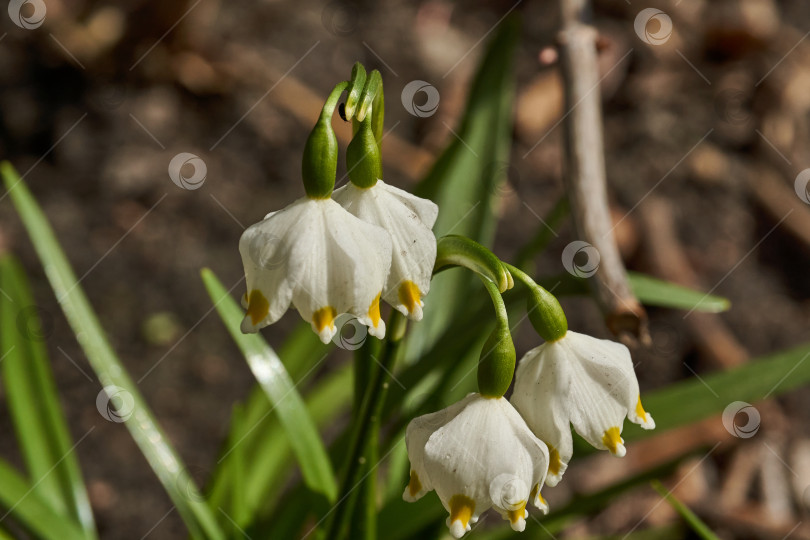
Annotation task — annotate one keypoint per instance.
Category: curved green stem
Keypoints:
(358, 83)
(455, 250)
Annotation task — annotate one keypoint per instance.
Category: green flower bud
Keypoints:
(497, 363)
(546, 314)
(363, 156)
(544, 310)
(321, 151)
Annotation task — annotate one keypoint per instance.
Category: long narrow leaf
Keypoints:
(276, 382)
(141, 424)
(697, 525)
(21, 499)
(465, 181)
(33, 401)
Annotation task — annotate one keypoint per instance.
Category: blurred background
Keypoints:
(707, 136)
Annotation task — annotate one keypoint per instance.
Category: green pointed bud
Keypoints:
(496, 365)
(319, 164)
(544, 310)
(546, 314)
(356, 87)
(363, 157)
(454, 250)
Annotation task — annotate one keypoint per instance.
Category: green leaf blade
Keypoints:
(277, 384)
(33, 401)
(23, 501)
(142, 425)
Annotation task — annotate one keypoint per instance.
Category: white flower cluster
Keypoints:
(340, 255)
(486, 452)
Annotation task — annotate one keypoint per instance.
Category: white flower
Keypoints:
(321, 258)
(477, 453)
(584, 381)
(409, 220)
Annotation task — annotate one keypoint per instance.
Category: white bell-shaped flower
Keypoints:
(321, 258)
(409, 220)
(477, 453)
(579, 380)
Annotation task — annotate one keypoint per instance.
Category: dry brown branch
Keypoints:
(585, 174)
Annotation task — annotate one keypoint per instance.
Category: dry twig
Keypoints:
(585, 173)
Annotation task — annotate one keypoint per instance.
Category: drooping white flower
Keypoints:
(321, 258)
(477, 453)
(579, 380)
(409, 220)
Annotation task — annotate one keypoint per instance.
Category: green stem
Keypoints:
(368, 415)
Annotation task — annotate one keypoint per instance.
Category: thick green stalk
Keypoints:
(364, 428)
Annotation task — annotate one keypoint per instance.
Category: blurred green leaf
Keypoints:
(694, 399)
(277, 384)
(697, 525)
(33, 401)
(465, 181)
(656, 292)
(649, 290)
(23, 501)
(141, 424)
